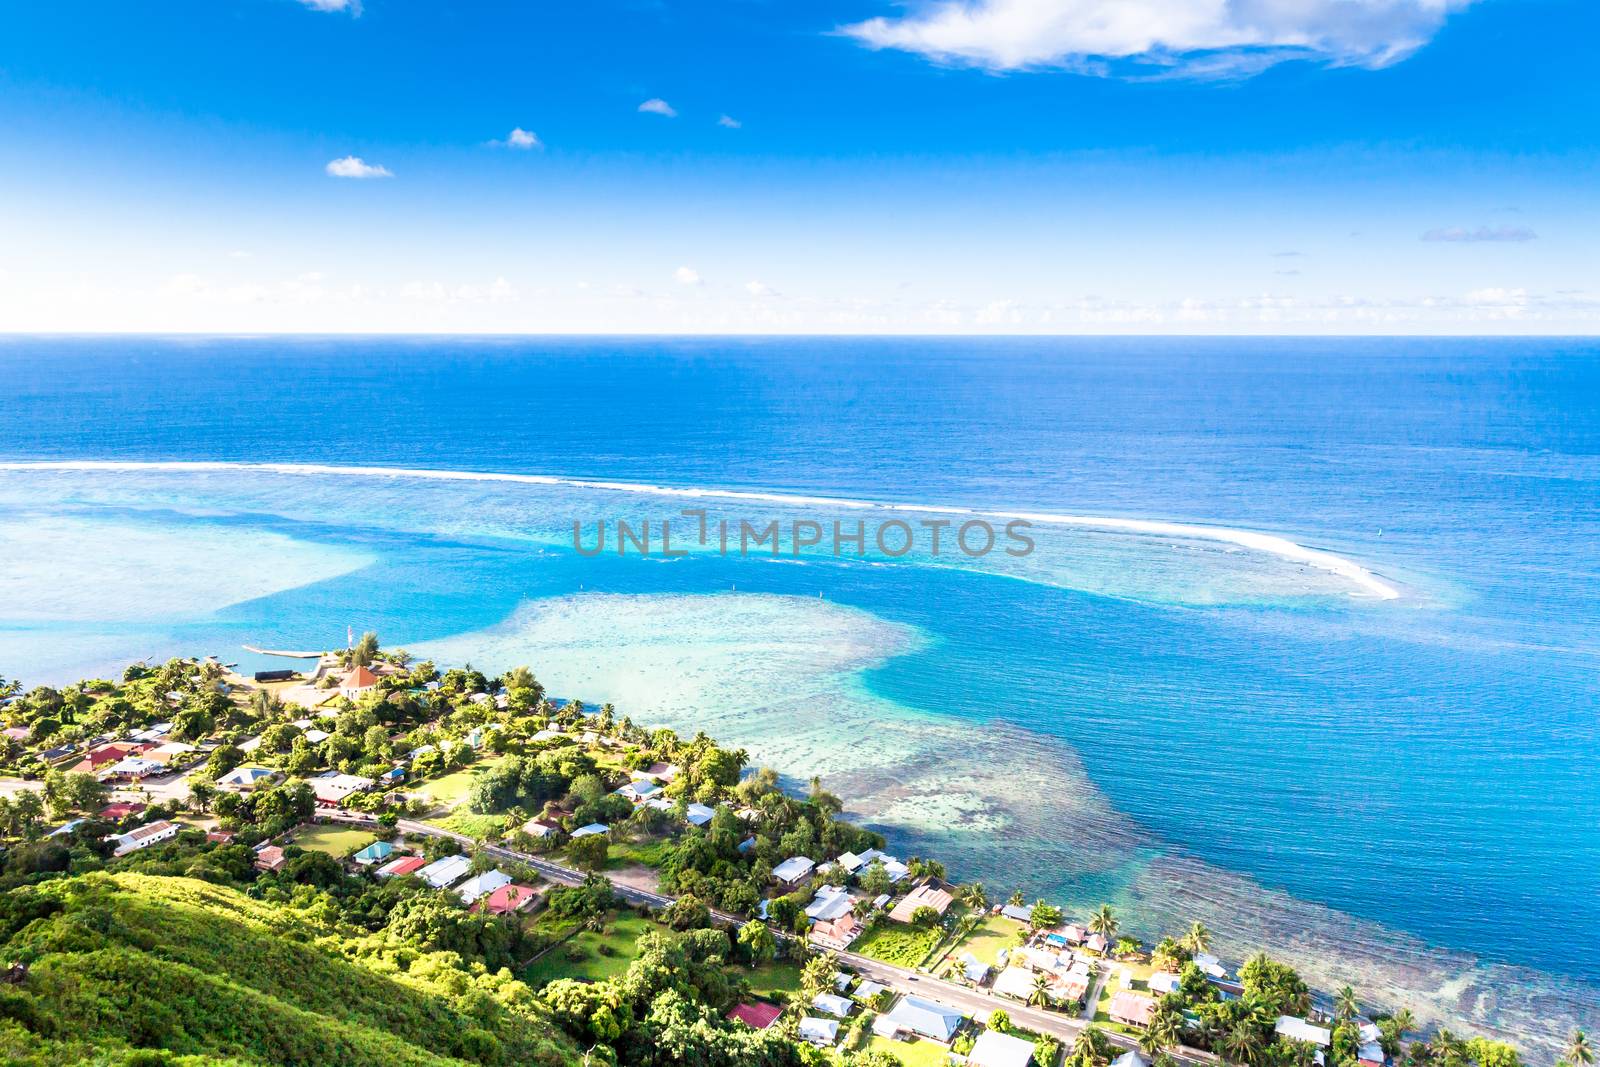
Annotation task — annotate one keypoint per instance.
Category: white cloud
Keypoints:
(657, 106)
(1462, 235)
(356, 167)
(755, 288)
(1197, 38)
(519, 138)
(687, 276)
(728, 122)
(352, 6)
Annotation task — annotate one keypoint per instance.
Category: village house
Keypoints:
(377, 852)
(591, 830)
(638, 791)
(793, 870)
(446, 871)
(833, 1004)
(120, 810)
(481, 885)
(404, 865)
(245, 779)
(132, 769)
(356, 682)
(173, 752)
(923, 1017)
(829, 904)
(994, 1049)
(1132, 1009)
(1018, 912)
(143, 837)
(924, 896)
(819, 1032)
(103, 756)
(838, 934)
(269, 858)
(333, 788)
(1014, 982)
(507, 900)
(1300, 1030)
(757, 1015)
(973, 969)
(540, 828)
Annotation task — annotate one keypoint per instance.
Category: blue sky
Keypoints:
(1345, 166)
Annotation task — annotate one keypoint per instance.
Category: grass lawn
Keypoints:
(644, 853)
(1102, 1007)
(899, 944)
(988, 938)
(919, 1053)
(600, 955)
(772, 977)
(336, 841)
(452, 788)
(476, 827)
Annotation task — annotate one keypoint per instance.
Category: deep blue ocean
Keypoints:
(1417, 775)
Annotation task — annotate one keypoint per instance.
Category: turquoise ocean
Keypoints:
(1307, 647)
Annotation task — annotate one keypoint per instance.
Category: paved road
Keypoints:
(901, 979)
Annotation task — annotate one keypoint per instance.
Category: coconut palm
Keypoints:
(1162, 1033)
(1198, 939)
(973, 896)
(1447, 1048)
(1167, 955)
(1404, 1021)
(1104, 922)
(1579, 1053)
(1041, 990)
(1345, 1005)
(1242, 1044)
(1090, 1045)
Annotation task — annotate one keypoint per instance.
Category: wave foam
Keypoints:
(1366, 582)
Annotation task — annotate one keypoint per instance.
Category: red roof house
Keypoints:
(359, 678)
(758, 1015)
(402, 866)
(1132, 1009)
(103, 756)
(269, 858)
(508, 900)
(121, 809)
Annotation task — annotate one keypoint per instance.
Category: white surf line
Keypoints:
(1270, 544)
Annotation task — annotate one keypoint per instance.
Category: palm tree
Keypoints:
(973, 896)
(1090, 1045)
(1041, 990)
(1345, 1005)
(1198, 939)
(1162, 1033)
(1448, 1048)
(1404, 1021)
(1104, 922)
(1242, 1044)
(1578, 1052)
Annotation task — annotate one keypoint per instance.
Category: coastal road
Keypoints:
(900, 979)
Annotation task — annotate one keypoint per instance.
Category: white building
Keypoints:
(144, 837)
(792, 870)
(1300, 1030)
(994, 1049)
(833, 1004)
(481, 885)
(447, 871)
(819, 1032)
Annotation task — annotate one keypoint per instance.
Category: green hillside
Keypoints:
(127, 962)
